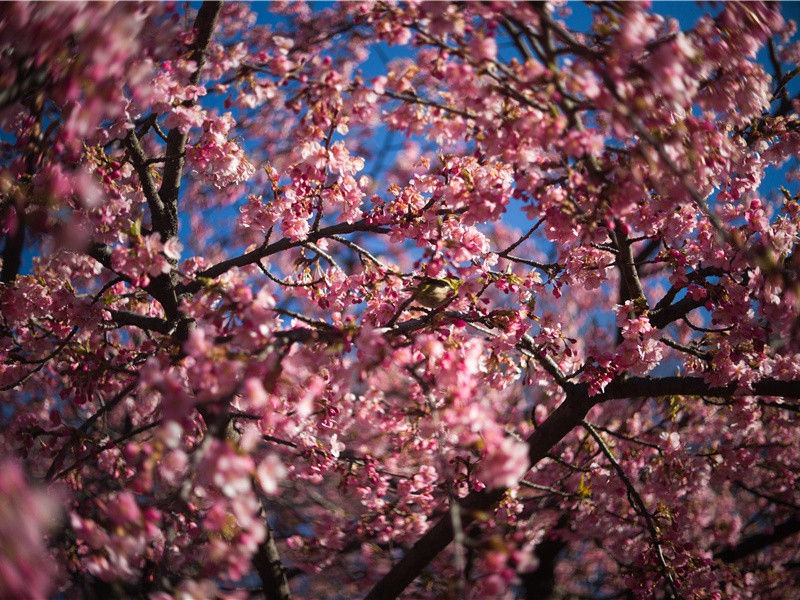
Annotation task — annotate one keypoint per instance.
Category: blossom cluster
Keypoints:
(219, 374)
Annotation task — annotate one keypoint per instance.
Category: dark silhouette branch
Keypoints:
(267, 561)
(27, 81)
(430, 545)
(540, 583)
(176, 141)
(638, 505)
(664, 316)
(81, 431)
(564, 419)
(256, 255)
(12, 250)
(759, 541)
(124, 318)
(630, 285)
(105, 446)
(140, 164)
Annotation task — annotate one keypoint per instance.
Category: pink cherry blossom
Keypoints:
(383, 299)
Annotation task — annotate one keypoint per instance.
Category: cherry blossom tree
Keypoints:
(221, 376)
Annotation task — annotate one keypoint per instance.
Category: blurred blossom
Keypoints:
(26, 514)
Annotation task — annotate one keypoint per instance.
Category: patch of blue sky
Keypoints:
(386, 144)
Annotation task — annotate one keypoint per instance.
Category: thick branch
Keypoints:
(101, 253)
(540, 584)
(630, 285)
(270, 569)
(566, 417)
(160, 287)
(430, 545)
(142, 322)
(164, 203)
(569, 414)
(654, 387)
(756, 543)
(12, 250)
(176, 141)
(139, 161)
(25, 83)
(664, 316)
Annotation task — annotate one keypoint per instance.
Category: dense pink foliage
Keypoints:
(216, 381)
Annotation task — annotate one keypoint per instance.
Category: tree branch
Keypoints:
(540, 583)
(81, 431)
(139, 161)
(564, 419)
(125, 318)
(270, 569)
(630, 285)
(639, 507)
(655, 387)
(12, 250)
(284, 244)
(757, 542)
(176, 141)
(27, 81)
(664, 316)
(430, 545)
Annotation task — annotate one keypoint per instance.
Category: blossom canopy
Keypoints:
(220, 376)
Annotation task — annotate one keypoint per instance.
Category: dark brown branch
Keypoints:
(430, 545)
(655, 387)
(628, 438)
(414, 99)
(284, 244)
(759, 541)
(540, 583)
(160, 287)
(529, 347)
(40, 363)
(176, 141)
(284, 283)
(27, 81)
(566, 417)
(630, 286)
(124, 318)
(765, 496)
(664, 312)
(517, 243)
(267, 561)
(12, 250)
(139, 160)
(103, 447)
(516, 37)
(165, 214)
(781, 79)
(647, 251)
(15, 240)
(686, 349)
(101, 253)
(81, 431)
(569, 414)
(664, 316)
(639, 507)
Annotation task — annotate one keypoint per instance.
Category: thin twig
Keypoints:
(638, 506)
